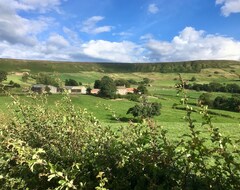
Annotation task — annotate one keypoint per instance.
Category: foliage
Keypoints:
(14, 84)
(230, 104)
(145, 109)
(107, 87)
(122, 82)
(70, 67)
(97, 84)
(145, 81)
(46, 79)
(71, 82)
(3, 76)
(205, 99)
(142, 89)
(88, 90)
(132, 97)
(215, 87)
(25, 77)
(193, 79)
(62, 147)
(221, 102)
(132, 81)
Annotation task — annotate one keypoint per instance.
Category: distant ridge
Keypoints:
(11, 65)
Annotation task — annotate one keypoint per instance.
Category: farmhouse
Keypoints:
(95, 91)
(42, 88)
(122, 90)
(76, 89)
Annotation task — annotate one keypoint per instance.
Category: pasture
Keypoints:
(161, 89)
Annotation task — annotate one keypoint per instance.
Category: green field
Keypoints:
(160, 90)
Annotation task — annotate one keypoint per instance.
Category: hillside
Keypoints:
(34, 66)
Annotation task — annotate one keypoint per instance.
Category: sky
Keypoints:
(120, 30)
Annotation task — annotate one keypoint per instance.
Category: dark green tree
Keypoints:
(71, 82)
(145, 109)
(141, 89)
(122, 82)
(3, 76)
(107, 87)
(205, 99)
(97, 84)
(89, 90)
(146, 80)
(193, 79)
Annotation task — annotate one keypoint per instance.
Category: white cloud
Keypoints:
(40, 5)
(16, 29)
(229, 6)
(90, 26)
(191, 44)
(152, 8)
(113, 51)
(57, 41)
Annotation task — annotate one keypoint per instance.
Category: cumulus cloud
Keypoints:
(57, 41)
(192, 44)
(16, 29)
(90, 26)
(42, 5)
(58, 48)
(152, 8)
(229, 6)
(113, 51)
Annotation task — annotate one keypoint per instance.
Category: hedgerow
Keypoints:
(63, 147)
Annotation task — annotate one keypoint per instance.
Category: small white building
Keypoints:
(76, 89)
(122, 90)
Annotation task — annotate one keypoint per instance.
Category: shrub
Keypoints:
(62, 147)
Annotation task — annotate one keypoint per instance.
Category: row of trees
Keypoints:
(214, 87)
(221, 102)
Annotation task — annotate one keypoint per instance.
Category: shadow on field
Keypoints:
(123, 119)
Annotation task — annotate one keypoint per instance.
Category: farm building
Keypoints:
(122, 90)
(95, 91)
(76, 89)
(42, 88)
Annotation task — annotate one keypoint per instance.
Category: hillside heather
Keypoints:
(63, 147)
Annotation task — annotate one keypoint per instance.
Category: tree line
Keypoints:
(221, 102)
(214, 87)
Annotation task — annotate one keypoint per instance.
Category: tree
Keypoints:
(89, 90)
(25, 77)
(145, 109)
(47, 80)
(193, 79)
(122, 82)
(71, 82)
(3, 76)
(107, 87)
(132, 81)
(205, 99)
(97, 84)
(146, 80)
(141, 89)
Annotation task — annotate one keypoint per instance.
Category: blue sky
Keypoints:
(120, 30)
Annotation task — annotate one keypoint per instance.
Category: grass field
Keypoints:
(161, 90)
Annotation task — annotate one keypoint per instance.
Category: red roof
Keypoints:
(130, 89)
